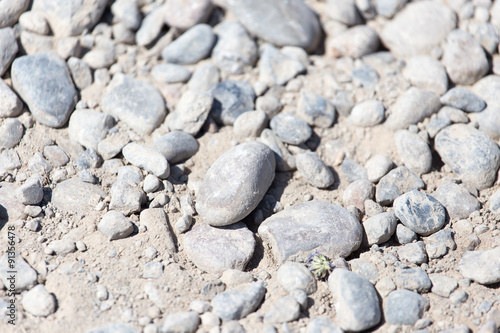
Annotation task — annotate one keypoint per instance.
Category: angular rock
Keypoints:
(364, 268)
(39, 302)
(395, 183)
(190, 112)
(89, 127)
(115, 225)
(231, 99)
(380, 228)
(156, 221)
(190, 47)
(11, 209)
(414, 151)
(176, 146)
(25, 278)
(276, 68)
(354, 42)
(8, 46)
(481, 266)
(31, 192)
(170, 73)
(457, 200)
(404, 235)
(463, 99)
(414, 279)
(73, 195)
(250, 124)
(443, 285)
(239, 302)
(292, 276)
(404, 307)
(112, 145)
(316, 110)
(291, 129)
(126, 198)
(426, 73)
(314, 170)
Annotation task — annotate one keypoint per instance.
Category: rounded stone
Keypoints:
(170, 73)
(414, 151)
(367, 114)
(316, 110)
(380, 228)
(115, 225)
(316, 172)
(457, 200)
(291, 129)
(147, 158)
(250, 124)
(11, 133)
(426, 73)
(231, 99)
(39, 302)
(404, 307)
(357, 193)
(176, 146)
(192, 46)
(292, 276)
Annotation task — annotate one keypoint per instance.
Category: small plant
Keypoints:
(319, 265)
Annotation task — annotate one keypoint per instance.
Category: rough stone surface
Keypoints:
(380, 228)
(293, 276)
(192, 46)
(395, 183)
(457, 200)
(39, 302)
(8, 47)
(426, 73)
(176, 146)
(191, 112)
(126, 197)
(314, 170)
(463, 99)
(147, 159)
(73, 195)
(291, 129)
(115, 225)
(231, 99)
(26, 276)
(31, 192)
(413, 253)
(404, 307)
(275, 67)
(481, 266)
(414, 151)
(239, 302)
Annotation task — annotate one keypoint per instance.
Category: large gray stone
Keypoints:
(395, 183)
(463, 99)
(73, 195)
(481, 266)
(291, 129)
(457, 200)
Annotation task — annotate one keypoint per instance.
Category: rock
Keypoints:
(427, 22)
(277, 68)
(292, 276)
(185, 14)
(443, 285)
(388, 8)
(31, 192)
(8, 47)
(89, 159)
(488, 88)
(228, 194)
(284, 160)
(10, 104)
(457, 200)
(55, 155)
(204, 78)
(322, 325)
(191, 112)
(356, 302)
(25, 278)
(231, 99)
(494, 202)
(464, 58)
(343, 11)
(239, 302)
(414, 279)
(137, 103)
(481, 266)
(73, 195)
(353, 171)
(250, 124)
(62, 246)
(316, 110)
(190, 47)
(44, 83)
(156, 222)
(115, 328)
(437, 124)
(10, 12)
(380, 228)
(314, 170)
(147, 158)
(176, 146)
(11, 209)
(405, 235)
(80, 72)
(126, 198)
(89, 127)
(11, 133)
(412, 107)
(354, 42)
(414, 151)
(385, 286)
(291, 129)
(470, 153)
(357, 193)
(39, 302)
(488, 121)
(367, 114)
(184, 223)
(301, 28)
(170, 73)
(114, 225)
(39, 165)
(284, 310)
(397, 182)
(413, 252)
(151, 26)
(271, 105)
(185, 322)
(463, 99)
(235, 48)
(127, 12)
(9, 160)
(426, 73)
(234, 277)
(404, 307)
(377, 167)
(327, 228)
(455, 115)
(33, 43)
(103, 56)
(364, 268)
(364, 76)
(112, 145)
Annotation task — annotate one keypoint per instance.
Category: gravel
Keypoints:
(170, 73)
(291, 129)
(443, 285)
(11, 133)
(357, 193)
(8, 47)
(413, 253)
(10, 104)
(377, 167)
(354, 42)
(89, 127)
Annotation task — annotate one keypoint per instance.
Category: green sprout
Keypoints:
(319, 265)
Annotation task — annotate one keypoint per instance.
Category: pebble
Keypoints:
(494, 202)
(39, 302)
(284, 310)
(344, 11)
(292, 276)
(301, 28)
(464, 58)
(486, 34)
(455, 115)
(353, 171)
(364, 268)
(11, 133)
(364, 76)
(170, 73)
(250, 124)
(237, 303)
(62, 246)
(33, 43)
(55, 155)
(9, 160)
(426, 73)
(10, 12)
(114, 225)
(457, 200)
(463, 99)
(284, 160)
(186, 14)
(103, 56)
(380, 228)
(481, 266)
(388, 8)
(26, 276)
(437, 124)
(291, 129)
(488, 121)
(443, 285)
(405, 235)
(428, 23)
(314, 170)
(271, 105)
(191, 112)
(322, 325)
(126, 198)
(459, 296)
(215, 250)
(127, 12)
(89, 159)
(404, 307)
(411, 107)
(200, 306)
(122, 97)
(357, 192)
(470, 153)
(413, 253)
(385, 286)
(30, 75)
(354, 42)
(147, 159)
(204, 78)
(31, 192)
(38, 164)
(316, 110)
(80, 72)
(327, 228)
(186, 322)
(356, 302)
(277, 68)
(176, 146)
(234, 277)
(151, 184)
(397, 182)
(89, 127)
(414, 151)
(414, 279)
(231, 99)
(10, 104)
(488, 88)
(367, 114)
(112, 145)
(235, 49)
(117, 327)
(377, 167)
(8, 47)
(190, 47)
(151, 26)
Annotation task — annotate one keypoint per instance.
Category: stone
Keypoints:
(494, 202)
(151, 26)
(31, 192)
(184, 223)
(486, 34)
(8, 47)
(38, 164)
(156, 222)
(353, 171)
(152, 270)
(414, 151)
(89, 127)
(115, 328)
(130, 174)
(357, 192)
(327, 228)
(426, 73)
(356, 302)
(404, 307)
(364, 268)
(9, 160)
(470, 153)
(11, 133)
(89, 159)
(73, 195)
(170, 73)
(380, 228)
(488, 121)
(284, 310)
(487, 88)
(343, 11)
(277, 68)
(176, 146)
(10, 12)
(388, 8)
(250, 124)
(204, 78)
(147, 158)
(455, 115)
(186, 322)
(114, 225)
(301, 28)
(55, 155)
(464, 58)
(186, 14)
(231, 99)
(314, 170)
(291, 129)
(385, 286)
(292, 276)
(414, 279)
(322, 325)
(234, 277)
(10, 104)
(427, 22)
(190, 47)
(25, 278)
(103, 56)
(239, 302)
(377, 167)
(457, 200)
(33, 43)
(191, 112)
(316, 110)
(128, 13)
(62, 246)
(364, 76)
(43, 81)
(463, 99)
(126, 198)
(367, 114)
(229, 193)
(413, 253)
(122, 34)
(112, 145)
(443, 285)
(354, 42)
(397, 182)
(39, 302)
(80, 72)
(482, 267)
(284, 159)
(405, 235)
(411, 107)
(437, 124)
(271, 105)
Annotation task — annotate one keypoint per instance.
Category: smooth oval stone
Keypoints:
(184, 14)
(367, 114)
(470, 153)
(420, 212)
(316, 110)
(463, 99)
(414, 151)
(170, 73)
(291, 129)
(43, 81)
(297, 231)
(216, 249)
(395, 183)
(380, 228)
(235, 184)
(176, 146)
(404, 307)
(192, 46)
(314, 170)
(147, 159)
(231, 99)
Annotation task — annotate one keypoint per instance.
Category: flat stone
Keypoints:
(250, 124)
(354, 42)
(10, 104)
(190, 47)
(457, 200)
(147, 159)
(284, 310)
(404, 307)
(170, 73)
(291, 129)
(356, 302)
(186, 14)
(277, 68)
(229, 193)
(25, 278)
(284, 159)
(353, 171)
(126, 198)
(114, 225)
(327, 228)
(80, 72)
(186, 322)
(426, 73)
(239, 302)
(204, 78)
(367, 114)
(39, 302)
(191, 112)
(8, 46)
(414, 151)
(292, 276)
(128, 13)
(10, 12)
(443, 285)
(380, 228)
(316, 110)
(31, 192)
(11, 133)
(364, 268)
(89, 127)
(137, 103)
(44, 83)
(231, 99)
(377, 167)
(463, 99)
(414, 279)
(470, 153)
(11, 209)
(398, 181)
(314, 170)
(73, 195)
(176, 146)
(413, 253)
(481, 266)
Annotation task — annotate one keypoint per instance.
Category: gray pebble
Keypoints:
(481, 266)
(364, 268)
(404, 307)
(147, 158)
(39, 302)
(388, 8)
(364, 76)
(284, 310)
(89, 159)
(199, 306)
(231, 99)
(414, 151)
(443, 285)
(437, 124)
(457, 200)
(176, 146)
(31, 192)
(191, 112)
(126, 198)
(277, 68)
(372, 208)
(377, 167)
(487, 88)
(380, 228)
(414, 279)
(459, 296)
(26, 276)
(316, 110)
(292, 276)
(62, 246)
(11, 133)
(405, 235)
(291, 129)
(455, 115)
(73, 195)
(234, 277)
(250, 124)
(356, 301)
(239, 302)
(10, 104)
(112, 145)
(152, 270)
(190, 47)
(322, 325)
(112, 165)
(343, 103)
(151, 26)
(9, 160)
(89, 127)
(170, 73)
(344, 11)
(185, 322)
(116, 328)
(463, 99)
(357, 193)
(151, 183)
(494, 202)
(55, 155)
(204, 78)
(101, 57)
(8, 47)
(488, 121)
(385, 286)
(232, 326)
(130, 174)
(271, 105)
(413, 253)
(185, 14)
(124, 95)
(327, 228)
(80, 72)
(128, 13)
(395, 183)
(486, 34)
(426, 73)
(33, 43)
(114, 225)
(354, 42)
(183, 223)
(367, 114)
(284, 160)
(353, 171)
(38, 164)
(314, 170)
